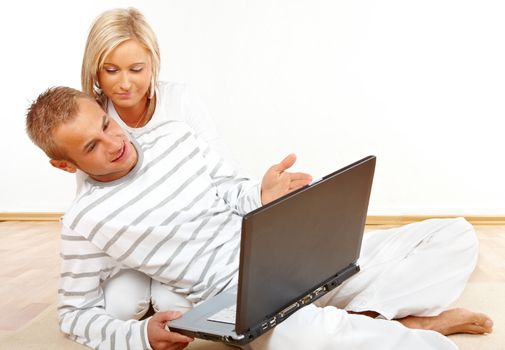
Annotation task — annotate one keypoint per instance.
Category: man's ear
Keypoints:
(63, 165)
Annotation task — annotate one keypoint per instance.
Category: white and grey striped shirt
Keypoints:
(175, 217)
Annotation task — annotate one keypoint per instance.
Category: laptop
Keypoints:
(293, 251)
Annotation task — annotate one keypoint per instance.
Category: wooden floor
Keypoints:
(29, 268)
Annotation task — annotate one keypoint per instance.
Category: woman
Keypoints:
(120, 69)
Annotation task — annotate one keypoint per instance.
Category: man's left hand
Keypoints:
(277, 181)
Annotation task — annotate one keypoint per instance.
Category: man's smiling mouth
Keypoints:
(121, 153)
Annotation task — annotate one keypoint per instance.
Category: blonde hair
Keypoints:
(109, 30)
(53, 107)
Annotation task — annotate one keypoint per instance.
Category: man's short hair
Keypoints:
(55, 106)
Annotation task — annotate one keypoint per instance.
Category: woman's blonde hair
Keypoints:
(108, 31)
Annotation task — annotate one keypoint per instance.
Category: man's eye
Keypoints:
(91, 147)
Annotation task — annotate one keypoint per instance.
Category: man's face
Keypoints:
(95, 144)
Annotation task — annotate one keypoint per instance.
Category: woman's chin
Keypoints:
(127, 103)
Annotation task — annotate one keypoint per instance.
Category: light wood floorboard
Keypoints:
(29, 267)
(29, 270)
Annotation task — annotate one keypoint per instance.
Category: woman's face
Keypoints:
(126, 75)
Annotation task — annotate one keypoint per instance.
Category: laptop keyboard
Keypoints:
(226, 315)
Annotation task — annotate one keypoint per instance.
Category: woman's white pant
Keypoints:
(129, 294)
(418, 269)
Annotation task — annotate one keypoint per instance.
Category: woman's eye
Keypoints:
(136, 70)
(110, 70)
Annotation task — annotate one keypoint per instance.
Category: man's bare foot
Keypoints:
(452, 321)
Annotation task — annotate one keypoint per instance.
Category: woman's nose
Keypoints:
(125, 82)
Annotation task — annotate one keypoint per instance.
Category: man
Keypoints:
(162, 203)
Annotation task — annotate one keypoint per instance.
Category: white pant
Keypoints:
(418, 269)
(129, 293)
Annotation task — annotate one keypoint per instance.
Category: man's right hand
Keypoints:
(162, 339)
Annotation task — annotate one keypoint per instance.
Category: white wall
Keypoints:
(420, 84)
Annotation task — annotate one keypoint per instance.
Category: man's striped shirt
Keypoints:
(175, 217)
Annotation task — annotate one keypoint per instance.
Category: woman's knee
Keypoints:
(127, 295)
(163, 299)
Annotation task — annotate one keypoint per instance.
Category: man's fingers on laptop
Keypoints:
(178, 338)
(162, 338)
(166, 316)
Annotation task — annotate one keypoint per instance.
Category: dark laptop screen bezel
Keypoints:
(329, 214)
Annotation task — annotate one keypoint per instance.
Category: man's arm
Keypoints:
(244, 194)
(240, 192)
(81, 309)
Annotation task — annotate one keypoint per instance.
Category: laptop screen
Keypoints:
(322, 222)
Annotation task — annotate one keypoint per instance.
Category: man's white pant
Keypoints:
(418, 269)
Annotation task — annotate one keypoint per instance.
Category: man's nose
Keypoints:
(114, 144)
